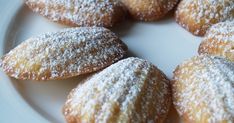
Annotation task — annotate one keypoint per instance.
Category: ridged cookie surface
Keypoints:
(198, 15)
(129, 91)
(80, 12)
(149, 10)
(203, 90)
(66, 53)
(219, 41)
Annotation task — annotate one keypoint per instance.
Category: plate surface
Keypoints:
(164, 43)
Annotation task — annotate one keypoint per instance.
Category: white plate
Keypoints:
(164, 43)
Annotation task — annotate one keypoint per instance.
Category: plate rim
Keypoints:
(15, 108)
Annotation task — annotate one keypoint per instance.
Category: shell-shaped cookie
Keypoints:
(129, 91)
(203, 90)
(149, 10)
(219, 41)
(80, 12)
(198, 15)
(66, 53)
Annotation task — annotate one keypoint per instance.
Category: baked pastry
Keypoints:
(219, 41)
(149, 10)
(203, 90)
(80, 12)
(66, 53)
(198, 15)
(131, 90)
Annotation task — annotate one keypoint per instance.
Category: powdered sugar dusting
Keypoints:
(63, 54)
(219, 40)
(203, 89)
(131, 90)
(149, 10)
(201, 14)
(223, 31)
(80, 12)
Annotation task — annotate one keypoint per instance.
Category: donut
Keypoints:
(149, 10)
(203, 90)
(104, 13)
(197, 16)
(129, 91)
(63, 54)
(219, 41)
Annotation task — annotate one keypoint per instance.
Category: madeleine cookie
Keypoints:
(80, 12)
(129, 91)
(219, 41)
(66, 53)
(149, 10)
(203, 90)
(198, 15)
